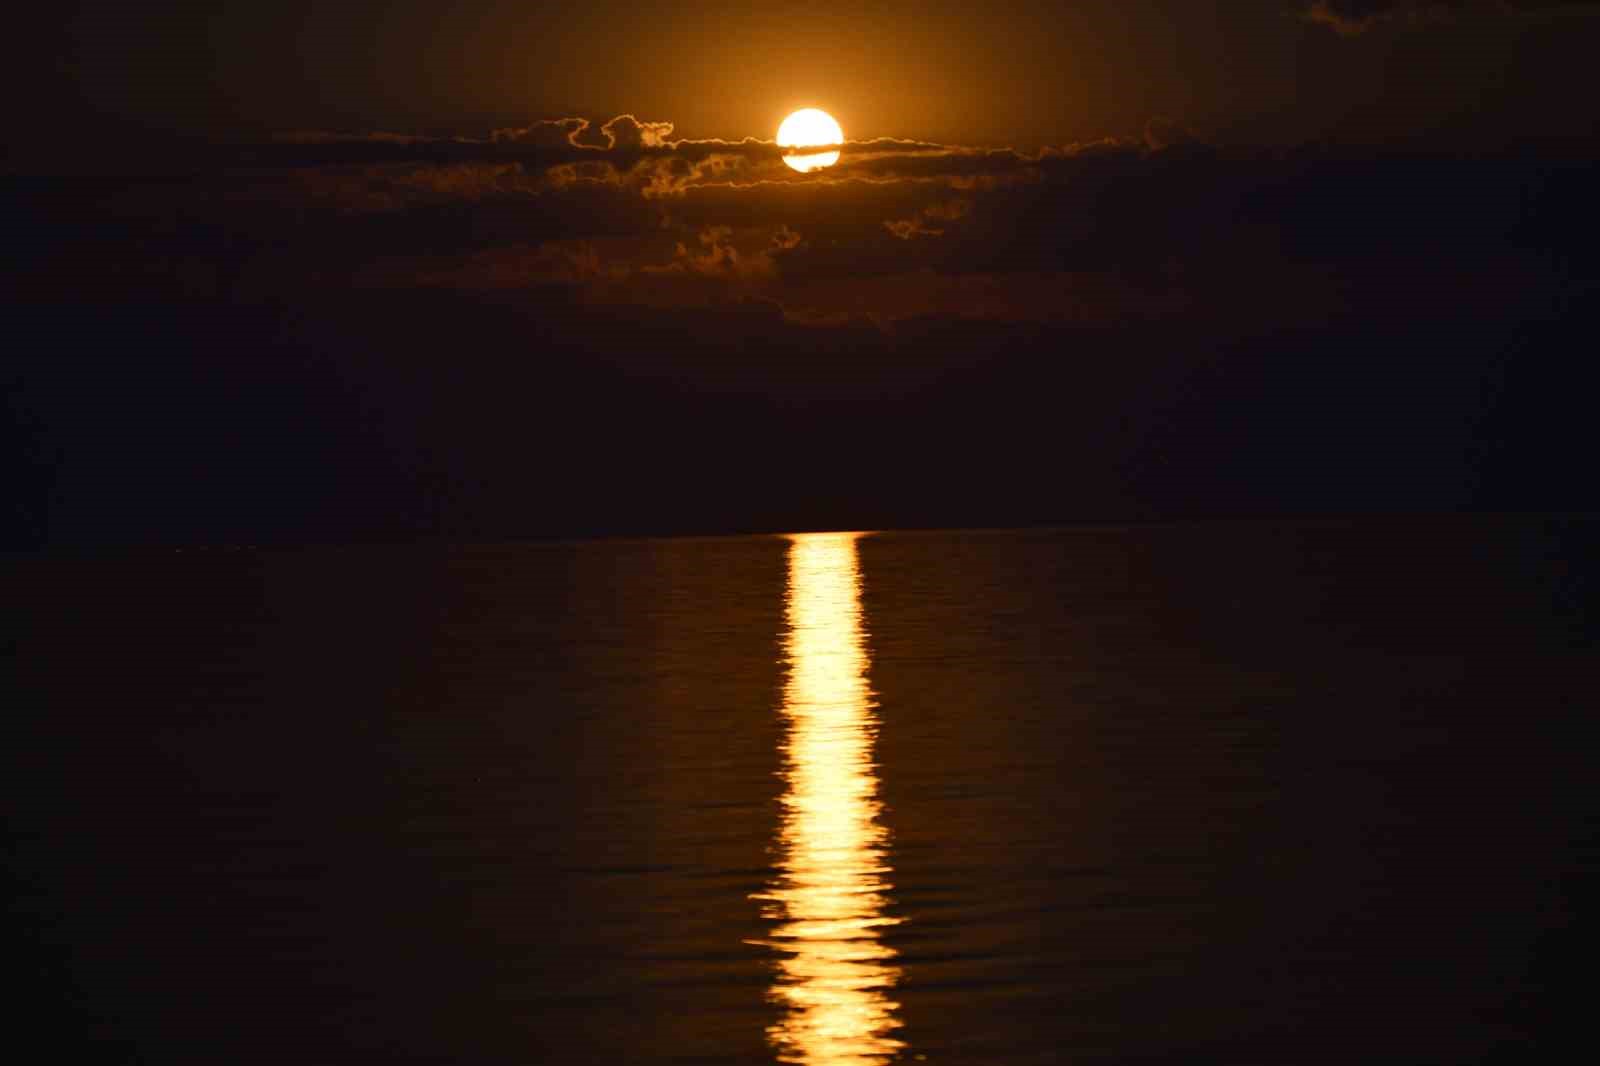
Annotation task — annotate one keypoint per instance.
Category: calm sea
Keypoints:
(1238, 793)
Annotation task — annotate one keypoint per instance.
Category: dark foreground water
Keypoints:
(1254, 793)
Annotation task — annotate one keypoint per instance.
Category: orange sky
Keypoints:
(1015, 72)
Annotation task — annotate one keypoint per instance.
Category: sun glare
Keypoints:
(809, 128)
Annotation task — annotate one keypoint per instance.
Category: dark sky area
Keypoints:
(292, 271)
(1014, 72)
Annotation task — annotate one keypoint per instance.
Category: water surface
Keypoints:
(1293, 792)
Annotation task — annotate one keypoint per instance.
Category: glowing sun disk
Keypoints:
(807, 128)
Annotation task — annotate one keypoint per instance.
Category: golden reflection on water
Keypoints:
(834, 972)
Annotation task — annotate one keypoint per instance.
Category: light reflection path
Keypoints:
(834, 973)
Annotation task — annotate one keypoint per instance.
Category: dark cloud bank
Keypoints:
(574, 327)
(1352, 17)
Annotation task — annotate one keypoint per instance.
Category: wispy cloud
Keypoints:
(622, 212)
(1352, 18)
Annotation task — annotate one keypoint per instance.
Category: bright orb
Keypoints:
(804, 129)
